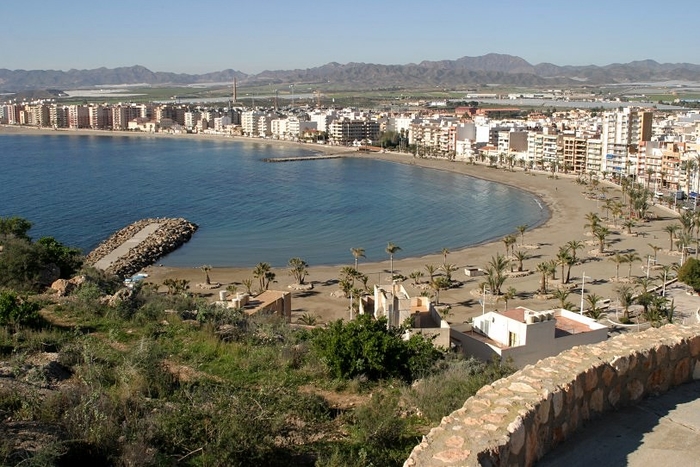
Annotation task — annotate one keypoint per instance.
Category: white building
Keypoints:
(527, 336)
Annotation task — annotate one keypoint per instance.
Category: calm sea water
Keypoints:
(80, 189)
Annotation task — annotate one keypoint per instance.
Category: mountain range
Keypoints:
(499, 69)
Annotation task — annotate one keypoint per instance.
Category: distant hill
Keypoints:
(487, 69)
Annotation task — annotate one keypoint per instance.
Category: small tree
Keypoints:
(16, 311)
(206, 268)
(689, 273)
(298, 269)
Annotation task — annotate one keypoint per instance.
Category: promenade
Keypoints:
(661, 431)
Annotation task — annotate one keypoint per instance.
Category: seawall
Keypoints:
(518, 419)
(140, 244)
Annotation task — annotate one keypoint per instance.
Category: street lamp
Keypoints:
(483, 300)
(649, 261)
(583, 283)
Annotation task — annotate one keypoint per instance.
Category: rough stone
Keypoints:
(518, 419)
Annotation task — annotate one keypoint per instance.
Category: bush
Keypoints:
(366, 347)
(17, 311)
(689, 273)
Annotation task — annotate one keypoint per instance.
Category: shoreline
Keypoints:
(562, 197)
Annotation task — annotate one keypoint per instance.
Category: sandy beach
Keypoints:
(562, 195)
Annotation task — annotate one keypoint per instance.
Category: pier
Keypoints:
(302, 158)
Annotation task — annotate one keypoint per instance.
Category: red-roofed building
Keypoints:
(526, 336)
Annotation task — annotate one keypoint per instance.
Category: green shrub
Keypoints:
(17, 311)
(367, 347)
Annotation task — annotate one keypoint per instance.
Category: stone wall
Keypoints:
(518, 419)
(171, 234)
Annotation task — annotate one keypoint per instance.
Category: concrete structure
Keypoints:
(270, 302)
(518, 419)
(526, 336)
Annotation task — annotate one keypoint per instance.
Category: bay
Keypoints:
(82, 188)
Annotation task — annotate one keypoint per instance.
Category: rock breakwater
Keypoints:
(167, 235)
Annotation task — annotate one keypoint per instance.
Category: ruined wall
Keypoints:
(516, 420)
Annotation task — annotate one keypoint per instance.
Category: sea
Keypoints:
(80, 189)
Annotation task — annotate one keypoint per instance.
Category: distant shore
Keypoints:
(562, 196)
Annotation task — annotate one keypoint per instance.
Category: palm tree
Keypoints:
(520, 256)
(601, 233)
(248, 284)
(630, 258)
(628, 224)
(593, 300)
(593, 222)
(562, 295)
(495, 273)
(445, 252)
(438, 284)
(543, 268)
(573, 246)
(263, 272)
(298, 269)
(431, 271)
(625, 294)
(357, 253)
(416, 276)
(509, 295)
(508, 241)
(618, 259)
(564, 259)
(656, 249)
(448, 269)
(521, 229)
(391, 249)
(206, 268)
(672, 229)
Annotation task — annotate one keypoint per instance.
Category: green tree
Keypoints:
(205, 269)
(521, 230)
(438, 284)
(495, 273)
(263, 273)
(573, 246)
(625, 294)
(16, 311)
(601, 233)
(298, 269)
(689, 273)
(520, 256)
(594, 311)
(630, 258)
(391, 249)
(357, 253)
(51, 251)
(369, 348)
(672, 229)
(16, 227)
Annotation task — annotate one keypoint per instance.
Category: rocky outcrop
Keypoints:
(518, 419)
(64, 287)
(171, 234)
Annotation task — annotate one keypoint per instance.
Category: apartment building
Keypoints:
(346, 131)
(574, 154)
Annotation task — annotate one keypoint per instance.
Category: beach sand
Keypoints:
(562, 196)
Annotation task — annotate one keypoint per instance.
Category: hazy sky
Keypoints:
(201, 36)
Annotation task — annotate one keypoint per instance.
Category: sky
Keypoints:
(203, 36)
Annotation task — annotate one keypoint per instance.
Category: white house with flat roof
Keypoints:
(526, 336)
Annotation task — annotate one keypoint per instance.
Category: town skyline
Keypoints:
(252, 38)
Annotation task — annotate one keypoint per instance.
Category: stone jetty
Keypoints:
(140, 244)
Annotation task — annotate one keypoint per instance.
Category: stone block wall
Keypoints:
(517, 420)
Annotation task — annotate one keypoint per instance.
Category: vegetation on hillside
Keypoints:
(112, 376)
